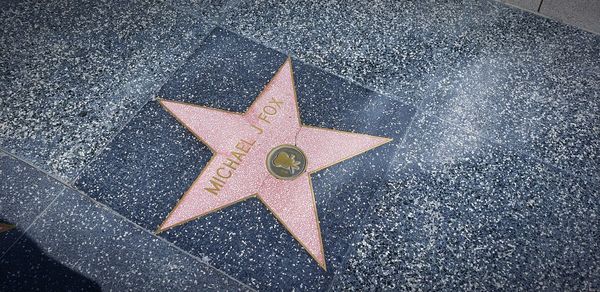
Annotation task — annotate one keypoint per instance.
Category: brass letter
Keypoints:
(219, 173)
(238, 155)
(230, 163)
(249, 143)
(276, 102)
(263, 117)
(216, 188)
(240, 146)
(257, 128)
(274, 110)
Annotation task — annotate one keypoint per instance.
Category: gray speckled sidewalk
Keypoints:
(490, 183)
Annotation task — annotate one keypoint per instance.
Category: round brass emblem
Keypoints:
(286, 162)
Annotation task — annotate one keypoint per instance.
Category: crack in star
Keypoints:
(296, 136)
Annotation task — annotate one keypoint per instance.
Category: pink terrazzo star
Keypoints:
(238, 169)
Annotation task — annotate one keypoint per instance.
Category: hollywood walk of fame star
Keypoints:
(265, 153)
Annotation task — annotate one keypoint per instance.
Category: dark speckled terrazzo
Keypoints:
(72, 72)
(24, 194)
(148, 151)
(65, 242)
(463, 214)
(492, 186)
(514, 77)
(153, 161)
(103, 248)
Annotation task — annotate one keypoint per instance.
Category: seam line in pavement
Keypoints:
(66, 186)
(107, 208)
(540, 14)
(355, 239)
(42, 213)
(134, 114)
(33, 165)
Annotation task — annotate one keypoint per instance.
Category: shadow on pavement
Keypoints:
(27, 268)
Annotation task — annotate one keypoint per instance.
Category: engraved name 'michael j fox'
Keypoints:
(267, 111)
(230, 165)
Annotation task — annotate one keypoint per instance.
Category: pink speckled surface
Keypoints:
(291, 201)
